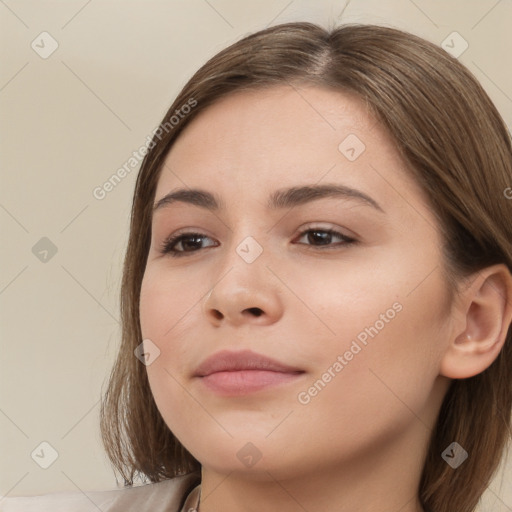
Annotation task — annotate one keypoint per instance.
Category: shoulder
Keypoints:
(165, 496)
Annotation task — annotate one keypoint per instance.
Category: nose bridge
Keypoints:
(243, 265)
(247, 250)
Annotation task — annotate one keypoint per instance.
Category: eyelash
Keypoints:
(169, 243)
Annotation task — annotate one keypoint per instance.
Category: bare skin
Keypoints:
(355, 441)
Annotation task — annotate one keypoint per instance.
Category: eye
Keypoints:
(180, 244)
(318, 237)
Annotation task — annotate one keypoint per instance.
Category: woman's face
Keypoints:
(359, 327)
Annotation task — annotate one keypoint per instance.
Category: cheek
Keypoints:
(377, 392)
(167, 305)
(168, 318)
(387, 332)
(355, 305)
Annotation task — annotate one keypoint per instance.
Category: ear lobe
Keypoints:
(486, 306)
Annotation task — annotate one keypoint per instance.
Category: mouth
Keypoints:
(238, 373)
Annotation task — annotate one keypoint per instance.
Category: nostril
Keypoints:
(255, 311)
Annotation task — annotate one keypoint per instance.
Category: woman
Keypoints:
(317, 291)
(416, 234)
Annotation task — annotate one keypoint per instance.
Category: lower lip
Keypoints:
(246, 381)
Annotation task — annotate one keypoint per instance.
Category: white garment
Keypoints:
(179, 494)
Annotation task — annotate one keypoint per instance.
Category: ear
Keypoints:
(484, 313)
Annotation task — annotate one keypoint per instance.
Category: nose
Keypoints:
(243, 293)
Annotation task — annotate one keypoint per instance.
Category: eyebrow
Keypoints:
(280, 199)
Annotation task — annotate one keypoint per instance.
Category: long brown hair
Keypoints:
(457, 148)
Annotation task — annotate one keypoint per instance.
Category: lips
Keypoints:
(227, 361)
(238, 373)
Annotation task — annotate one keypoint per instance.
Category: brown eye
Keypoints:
(323, 237)
(177, 245)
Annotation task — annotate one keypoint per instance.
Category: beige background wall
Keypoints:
(68, 122)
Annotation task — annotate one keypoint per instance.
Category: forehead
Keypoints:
(273, 116)
(252, 142)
